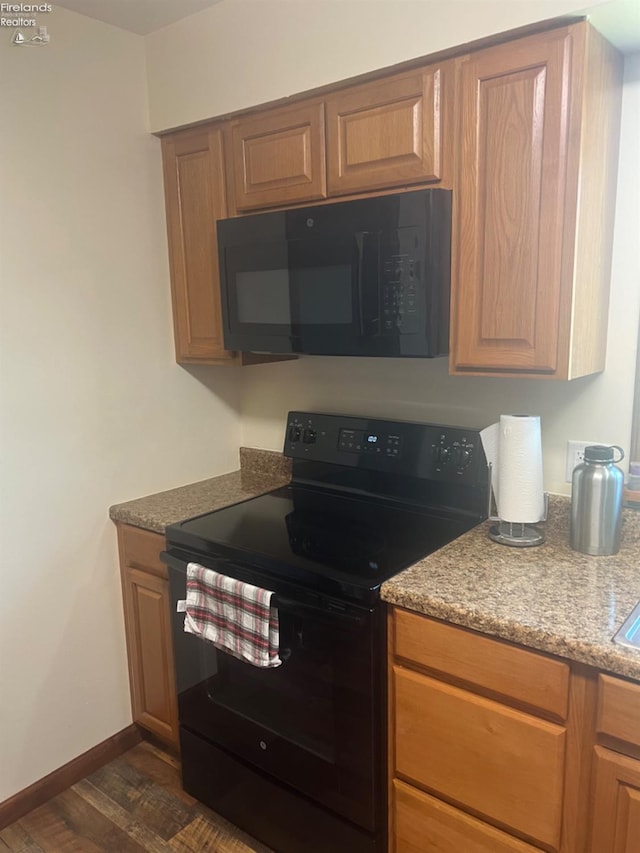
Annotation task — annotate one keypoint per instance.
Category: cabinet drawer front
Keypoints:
(524, 676)
(278, 157)
(619, 709)
(388, 133)
(499, 762)
(423, 823)
(140, 549)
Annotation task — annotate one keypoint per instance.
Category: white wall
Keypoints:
(93, 408)
(240, 53)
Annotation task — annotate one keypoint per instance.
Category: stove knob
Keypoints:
(309, 436)
(441, 454)
(294, 432)
(461, 458)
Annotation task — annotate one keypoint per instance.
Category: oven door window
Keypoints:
(305, 290)
(308, 722)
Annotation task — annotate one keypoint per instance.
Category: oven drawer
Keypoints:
(424, 823)
(496, 761)
(527, 677)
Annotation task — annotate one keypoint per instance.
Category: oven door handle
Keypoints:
(324, 611)
(325, 608)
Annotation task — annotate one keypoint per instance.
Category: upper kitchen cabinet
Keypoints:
(538, 123)
(391, 132)
(277, 157)
(195, 198)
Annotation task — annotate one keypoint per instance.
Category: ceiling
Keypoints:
(617, 20)
(138, 16)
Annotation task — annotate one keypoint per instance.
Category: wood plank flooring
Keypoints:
(133, 804)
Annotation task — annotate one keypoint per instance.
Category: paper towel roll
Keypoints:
(514, 448)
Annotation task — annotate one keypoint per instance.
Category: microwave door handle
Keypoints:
(360, 235)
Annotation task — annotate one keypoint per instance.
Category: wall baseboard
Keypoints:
(44, 789)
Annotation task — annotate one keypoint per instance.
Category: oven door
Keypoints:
(314, 723)
(309, 294)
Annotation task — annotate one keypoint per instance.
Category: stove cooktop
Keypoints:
(295, 531)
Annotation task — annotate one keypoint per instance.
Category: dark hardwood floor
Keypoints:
(133, 804)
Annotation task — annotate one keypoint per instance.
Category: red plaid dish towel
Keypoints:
(235, 616)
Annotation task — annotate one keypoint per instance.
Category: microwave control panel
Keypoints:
(400, 287)
(428, 451)
(399, 295)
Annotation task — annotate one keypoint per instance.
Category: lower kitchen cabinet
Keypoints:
(616, 814)
(486, 750)
(145, 593)
(616, 779)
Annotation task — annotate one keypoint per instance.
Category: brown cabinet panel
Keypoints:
(616, 804)
(536, 168)
(510, 204)
(140, 550)
(532, 679)
(424, 823)
(195, 199)
(277, 157)
(391, 132)
(619, 709)
(500, 763)
(148, 633)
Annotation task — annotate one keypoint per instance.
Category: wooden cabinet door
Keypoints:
(145, 591)
(195, 200)
(616, 803)
(391, 132)
(513, 103)
(277, 157)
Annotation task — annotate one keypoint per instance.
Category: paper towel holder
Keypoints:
(515, 533)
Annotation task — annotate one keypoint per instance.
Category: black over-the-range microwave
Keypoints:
(369, 277)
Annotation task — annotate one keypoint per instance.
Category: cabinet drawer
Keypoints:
(619, 709)
(140, 549)
(423, 823)
(524, 676)
(501, 763)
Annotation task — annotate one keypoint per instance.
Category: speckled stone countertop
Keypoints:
(547, 597)
(260, 472)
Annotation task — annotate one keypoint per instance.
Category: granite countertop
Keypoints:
(260, 471)
(547, 597)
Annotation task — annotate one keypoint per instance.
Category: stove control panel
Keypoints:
(373, 442)
(427, 451)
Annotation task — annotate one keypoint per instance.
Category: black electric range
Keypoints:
(304, 743)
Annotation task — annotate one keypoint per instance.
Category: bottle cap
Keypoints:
(634, 469)
(598, 453)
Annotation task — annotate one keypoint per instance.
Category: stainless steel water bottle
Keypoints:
(597, 486)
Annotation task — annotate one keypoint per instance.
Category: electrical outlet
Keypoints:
(575, 456)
